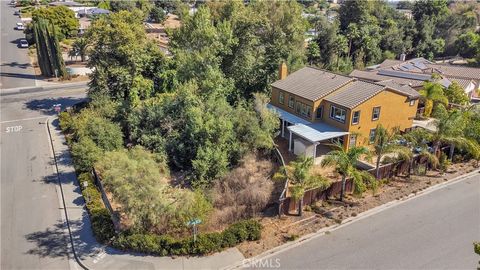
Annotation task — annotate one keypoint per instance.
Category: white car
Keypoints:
(20, 26)
(23, 43)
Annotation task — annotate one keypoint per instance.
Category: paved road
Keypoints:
(31, 228)
(434, 231)
(16, 70)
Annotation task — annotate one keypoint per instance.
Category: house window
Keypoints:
(291, 102)
(353, 140)
(337, 114)
(412, 102)
(319, 112)
(375, 113)
(309, 111)
(281, 98)
(298, 107)
(356, 117)
(372, 135)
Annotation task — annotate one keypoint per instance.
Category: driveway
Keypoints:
(16, 70)
(433, 231)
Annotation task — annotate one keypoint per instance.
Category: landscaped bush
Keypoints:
(102, 224)
(100, 218)
(205, 244)
(85, 153)
(66, 121)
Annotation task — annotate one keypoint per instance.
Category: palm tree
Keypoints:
(417, 139)
(80, 48)
(385, 143)
(345, 162)
(432, 93)
(450, 130)
(301, 179)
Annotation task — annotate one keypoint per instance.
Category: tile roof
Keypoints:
(399, 88)
(355, 93)
(312, 83)
(464, 83)
(374, 76)
(389, 62)
(456, 71)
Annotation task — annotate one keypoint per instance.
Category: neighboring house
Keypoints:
(317, 108)
(158, 31)
(416, 71)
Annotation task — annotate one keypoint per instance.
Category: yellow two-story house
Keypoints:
(317, 107)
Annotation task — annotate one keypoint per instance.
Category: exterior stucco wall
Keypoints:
(395, 111)
(275, 101)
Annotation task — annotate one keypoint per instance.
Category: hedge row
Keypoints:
(102, 224)
(246, 230)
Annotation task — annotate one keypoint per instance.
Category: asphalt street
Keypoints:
(16, 70)
(32, 233)
(434, 231)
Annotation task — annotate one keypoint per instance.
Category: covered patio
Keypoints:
(307, 138)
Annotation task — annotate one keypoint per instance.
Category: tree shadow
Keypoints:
(18, 75)
(17, 65)
(46, 105)
(51, 242)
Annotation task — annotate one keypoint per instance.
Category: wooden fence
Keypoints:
(288, 205)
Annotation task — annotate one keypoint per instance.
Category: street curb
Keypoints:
(36, 89)
(65, 212)
(350, 220)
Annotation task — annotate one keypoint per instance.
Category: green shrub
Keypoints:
(229, 239)
(66, 122)
(205, 243)
(208, 243)
(91, 194)
(102, 224)
(85, 153)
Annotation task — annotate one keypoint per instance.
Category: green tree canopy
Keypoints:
(62, 18)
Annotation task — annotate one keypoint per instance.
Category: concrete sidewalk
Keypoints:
(88, 251)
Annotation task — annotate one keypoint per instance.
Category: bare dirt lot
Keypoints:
(278, 231)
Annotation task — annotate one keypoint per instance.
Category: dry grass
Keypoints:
(244, 192)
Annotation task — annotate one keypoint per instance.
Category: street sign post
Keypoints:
(194, 223)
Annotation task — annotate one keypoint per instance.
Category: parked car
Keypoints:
(23, 43)
(20, 26)
(16, 13)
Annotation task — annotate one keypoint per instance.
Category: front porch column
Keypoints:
(314, 151)
(283, 127)
(290, 142)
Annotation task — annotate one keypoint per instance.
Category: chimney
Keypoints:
(403, 57)
(282, 71)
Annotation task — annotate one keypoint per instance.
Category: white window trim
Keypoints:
(373, 113)
(332, 115)
(291, 102)
(353, 118)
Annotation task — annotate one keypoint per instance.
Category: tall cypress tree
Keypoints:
(49, 54)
